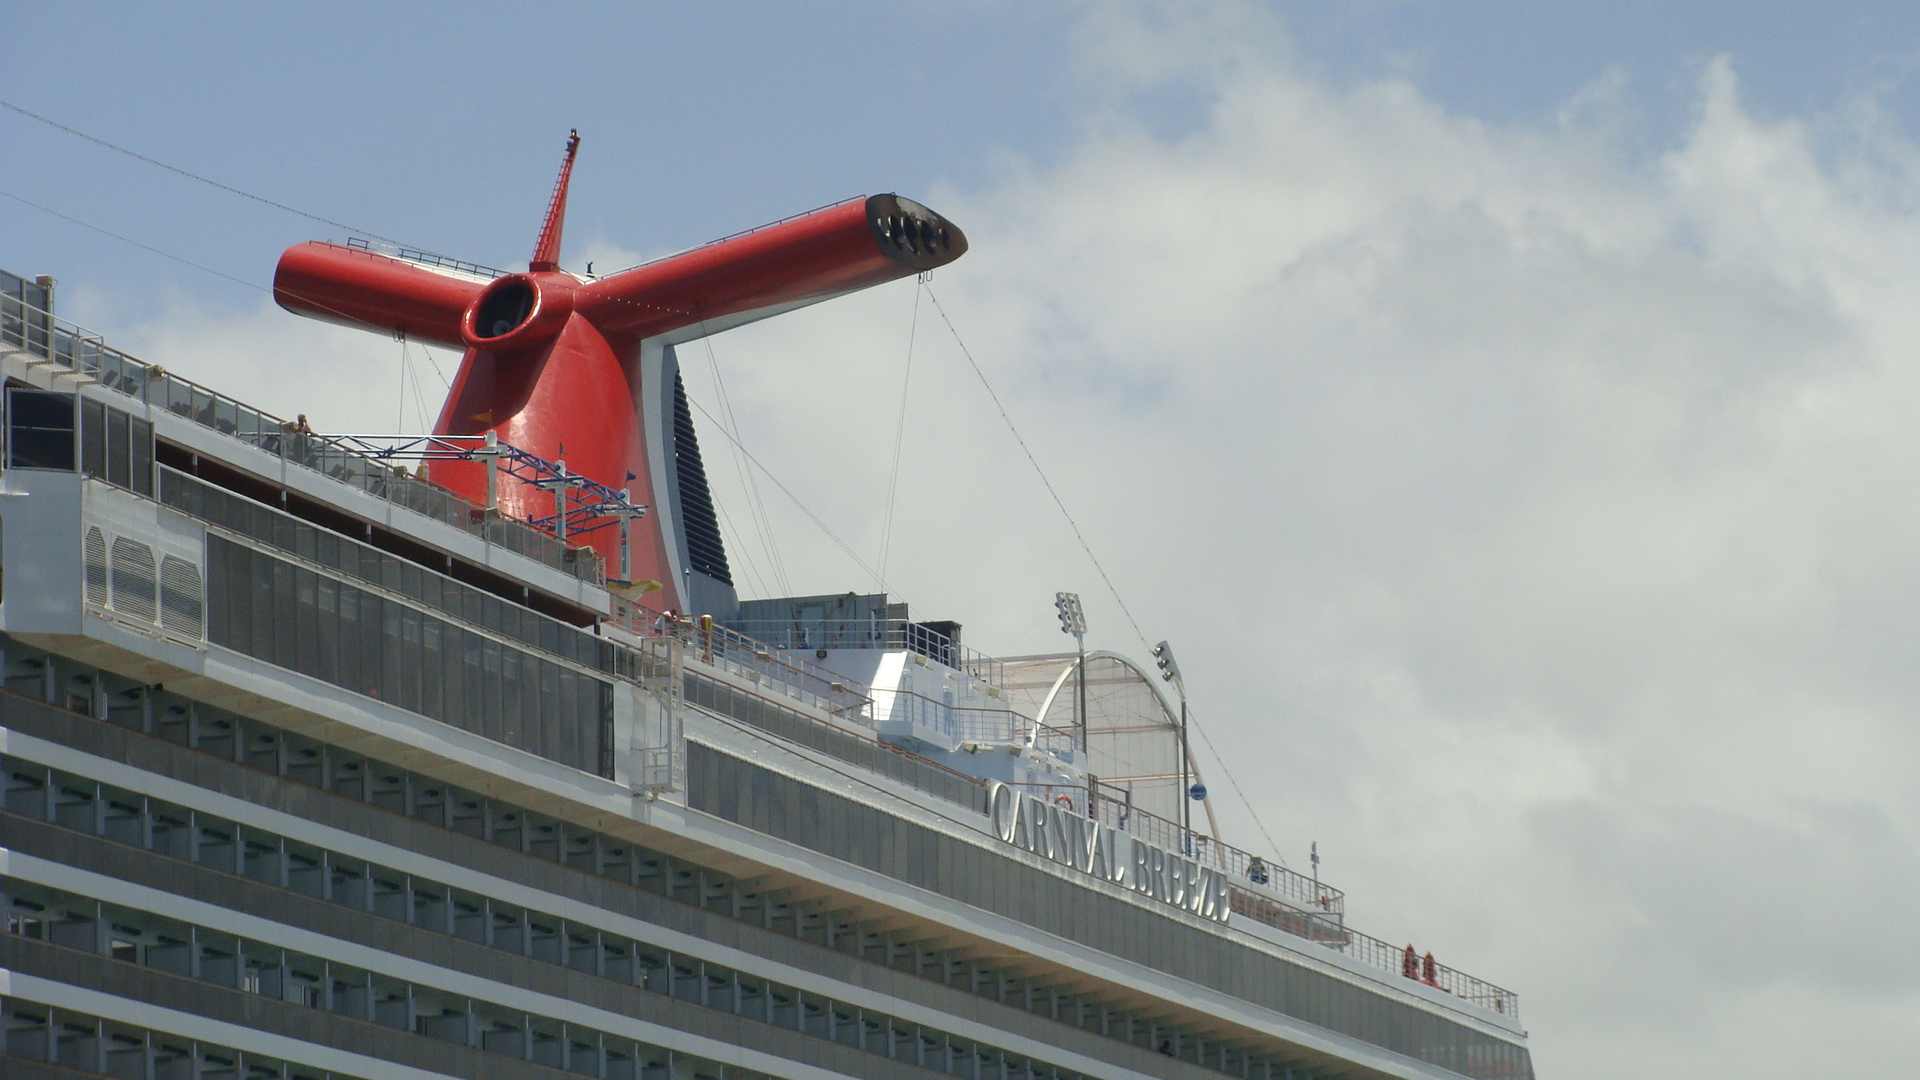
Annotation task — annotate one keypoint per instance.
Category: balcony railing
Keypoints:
(1254, 874)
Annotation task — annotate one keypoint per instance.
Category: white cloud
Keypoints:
(1535, 526)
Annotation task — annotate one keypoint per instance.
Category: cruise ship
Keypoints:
(357, 757)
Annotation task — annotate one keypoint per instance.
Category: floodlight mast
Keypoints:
(1170, 671)
(1074, 621)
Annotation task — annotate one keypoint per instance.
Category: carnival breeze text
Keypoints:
(1057, 833)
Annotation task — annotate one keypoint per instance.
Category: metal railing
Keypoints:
(880, 633)
(737, 235)
(42, 334)
(425, 258)
(774, 672)
(968, 723)
(1285, 900)
(1253, 873)
(1402, 960)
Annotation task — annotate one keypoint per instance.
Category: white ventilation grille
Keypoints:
(134, 581)
(94, 551)
(181, 609)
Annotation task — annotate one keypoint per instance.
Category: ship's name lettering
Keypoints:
(1056, 832)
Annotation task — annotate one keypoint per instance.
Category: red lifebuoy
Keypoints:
(1064, 800)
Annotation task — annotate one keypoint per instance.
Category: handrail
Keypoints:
(1289, 901)
(1376, 953)
(735, 235)
(715, 644)
(425, 258)
(1256, 875)
(967, 723)
(875, 633)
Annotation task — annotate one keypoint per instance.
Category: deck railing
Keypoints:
(874, 633)
(42, 334)
(776, 672)
(1284, 899)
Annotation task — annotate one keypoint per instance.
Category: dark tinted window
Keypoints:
(39, 429)
(353, 638)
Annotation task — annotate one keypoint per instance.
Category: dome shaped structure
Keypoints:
(1130, 732)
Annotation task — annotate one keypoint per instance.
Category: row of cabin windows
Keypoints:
(198, 952)
(93, 1045)
(227, 960)
(783, 807)
(162, 713)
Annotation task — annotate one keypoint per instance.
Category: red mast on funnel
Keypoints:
(546, 250)
(585, 370)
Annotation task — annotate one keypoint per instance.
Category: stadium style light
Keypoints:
(1169, 668)
(1074, 621)
(1170, 671)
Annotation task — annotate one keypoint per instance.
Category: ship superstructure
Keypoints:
(321, 763)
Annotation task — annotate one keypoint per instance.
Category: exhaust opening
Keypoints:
(504, 309)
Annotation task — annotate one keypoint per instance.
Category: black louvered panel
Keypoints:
(704, 551)
(182, 608)
(136, 580)
(95, 550)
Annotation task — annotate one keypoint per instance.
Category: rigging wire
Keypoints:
(400, 411)
(900, 426)
(437, 373)
(740, 545)
(1042, 473)
(1235, 784)
(756, 502)
(410, 375)
(55, 124)
(128, 240)
(788, 492)
(1114, 591)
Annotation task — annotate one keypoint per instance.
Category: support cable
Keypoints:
(756, 502)
(900, 427)
(56, 125)
(1042, 473)
(1088, 549)
(739, 542)
(788, 492)
(135, 243)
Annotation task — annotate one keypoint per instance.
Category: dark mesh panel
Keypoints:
(704, 551)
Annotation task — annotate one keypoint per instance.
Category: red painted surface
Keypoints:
(563, 381)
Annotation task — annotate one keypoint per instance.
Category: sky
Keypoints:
(1509, 411)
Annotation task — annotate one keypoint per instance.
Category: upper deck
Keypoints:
(252, 566)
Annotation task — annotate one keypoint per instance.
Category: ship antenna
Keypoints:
(546, 253)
